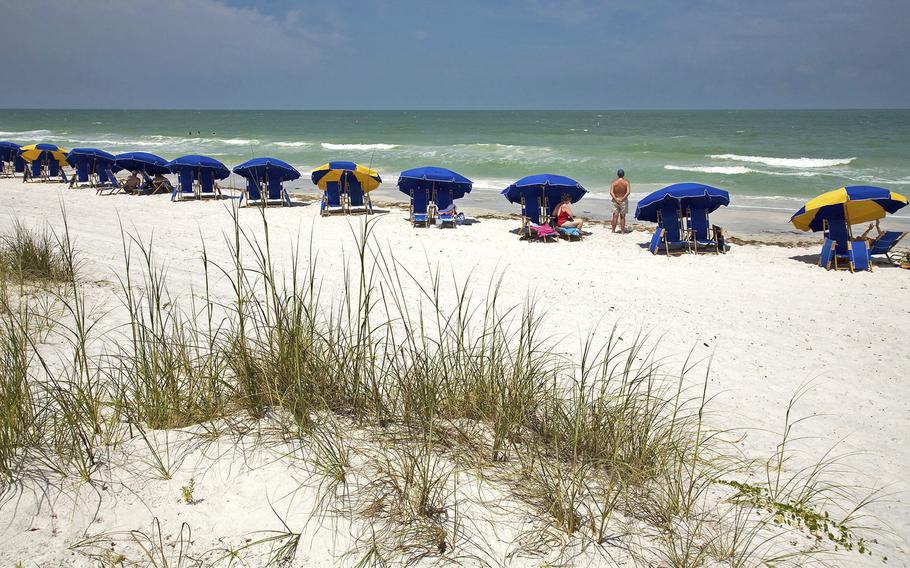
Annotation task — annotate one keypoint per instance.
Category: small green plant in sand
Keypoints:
(186, 492)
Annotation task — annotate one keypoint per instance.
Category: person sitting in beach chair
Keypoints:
(669, 234)
(445, 208)
(702, 234)
(331, 199)
(133, 183)
(161, 184)
(567, 224)
(884, 242)
(840, 250)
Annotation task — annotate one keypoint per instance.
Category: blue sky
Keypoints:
(468, 54)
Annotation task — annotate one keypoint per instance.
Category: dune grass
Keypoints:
(448, 389)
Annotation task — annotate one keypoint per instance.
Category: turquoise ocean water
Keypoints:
(770, 160)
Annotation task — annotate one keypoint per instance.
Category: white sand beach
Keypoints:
(765, 318)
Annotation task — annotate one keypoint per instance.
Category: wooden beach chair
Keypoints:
(669, 234)
(704, 236)
(331, 199)
(884, 244)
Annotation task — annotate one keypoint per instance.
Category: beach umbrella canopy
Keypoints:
(428, 178)
(336, 171)
(197, 162)
(262, 168)
(550, 185)
(34, 152)
(141, 162)
(91, 155)
(855, 204)
(8, 151)
(686, 194)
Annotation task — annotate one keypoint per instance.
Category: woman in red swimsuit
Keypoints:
(564, 216)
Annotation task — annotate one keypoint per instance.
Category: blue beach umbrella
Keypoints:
(854, 204)
(90, 155)
(686, 194)
(197, 163)
(141, 162)
(262, 168)
(551, 186)
(429, 178)
(8, 151)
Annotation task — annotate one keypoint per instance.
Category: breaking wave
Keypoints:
(328, 146)
(735, 170)
(785, 162)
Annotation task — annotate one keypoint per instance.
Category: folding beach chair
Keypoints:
(37, 170)
(885, 243)
(531, 225)
(83, 172)
(185, 185)
(445, 208)
(252, 193)
(331, 199)
(357, 199)
(276, 192)
(702, 234)
(110, 185)
(207, 185)
(54, 170)
(669, 231)
(421, 210)
(840, 250)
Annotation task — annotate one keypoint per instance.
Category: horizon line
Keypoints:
(640, 109)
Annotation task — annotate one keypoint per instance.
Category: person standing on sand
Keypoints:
(619, 191)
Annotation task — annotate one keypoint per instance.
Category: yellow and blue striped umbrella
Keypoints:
(336, 171)
(854, 204)
(34, 152)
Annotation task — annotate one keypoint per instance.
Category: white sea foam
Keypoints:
(785, 162)
(25, 133)
(238, 141)
(293, 144)
(735, 170)
(329, 146)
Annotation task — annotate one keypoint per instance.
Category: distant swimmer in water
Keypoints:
(619, 192)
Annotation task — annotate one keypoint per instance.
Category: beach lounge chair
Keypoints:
(37, 170)
(207, 185)
(83, 172)
(252, 193)
(531, 226)
(357, 199)
(885, 243)
(276, 192)
(703, 235)
(421, 210)
(18, 165)
(185, 186)
(53, 169)
(331, 199)
(445, 208)
(110, 185)
(841, 251)
(669, 234)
